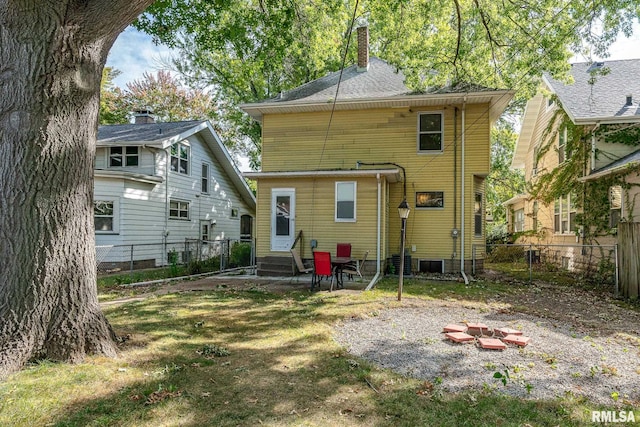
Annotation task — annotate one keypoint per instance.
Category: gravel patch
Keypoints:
(558, 361)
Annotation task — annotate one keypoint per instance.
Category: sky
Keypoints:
(134, 54)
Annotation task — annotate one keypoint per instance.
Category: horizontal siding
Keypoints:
(297, 142)
(317, 219)
(143, 209)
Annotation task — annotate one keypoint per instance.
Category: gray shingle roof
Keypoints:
(616, 167)
(381, 80)
(151, 132)
(605, 98)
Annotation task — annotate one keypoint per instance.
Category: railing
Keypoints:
(214, 255)
(596, 265)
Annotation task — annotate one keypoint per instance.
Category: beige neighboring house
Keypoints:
(601, 104)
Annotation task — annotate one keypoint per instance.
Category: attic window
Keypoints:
(550, 103)
(180, 158)
(123, 156)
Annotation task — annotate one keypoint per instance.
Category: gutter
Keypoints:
(462, 196)
(375, 279)
(612, 171)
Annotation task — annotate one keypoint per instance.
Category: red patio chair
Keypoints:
(343, 250)
(321, 268)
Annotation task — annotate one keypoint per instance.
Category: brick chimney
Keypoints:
(144, 116)
(363, 48)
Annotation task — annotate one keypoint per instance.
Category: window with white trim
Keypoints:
(123, 156)
(518, 220)
(562, 145)
(430, 132)
(615, 203)
(564, 214)
(205, 227)
(178, 209)
(105, 216)
(345, 207)
(204, 183)
(180, 158)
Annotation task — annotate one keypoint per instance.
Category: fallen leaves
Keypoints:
(160, 395)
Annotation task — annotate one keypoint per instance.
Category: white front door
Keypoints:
(283, 218)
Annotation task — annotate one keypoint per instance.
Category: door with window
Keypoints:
(283, 201)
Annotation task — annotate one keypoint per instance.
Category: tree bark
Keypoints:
(51, 60)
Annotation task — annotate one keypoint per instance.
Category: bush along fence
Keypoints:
(595, 265)
(199, 256)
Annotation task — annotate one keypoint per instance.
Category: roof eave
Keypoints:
(131, 176)
(500, 100)
(608, 172)
(392, 174)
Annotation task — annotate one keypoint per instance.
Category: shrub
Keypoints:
(240, 254)
(506, 253)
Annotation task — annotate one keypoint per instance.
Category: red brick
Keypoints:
(459, 337)
(491, 343)
(506, 331)
(517, 340)
(455, 328)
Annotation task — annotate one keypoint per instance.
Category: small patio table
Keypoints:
(338, 264)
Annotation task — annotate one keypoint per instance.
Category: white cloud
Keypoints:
(134, 53)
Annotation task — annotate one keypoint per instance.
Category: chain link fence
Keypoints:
(592, 265)
(199, 255)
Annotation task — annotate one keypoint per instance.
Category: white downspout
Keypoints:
(373, 281)
(462, 196)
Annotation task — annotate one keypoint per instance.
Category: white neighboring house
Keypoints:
(157, 183)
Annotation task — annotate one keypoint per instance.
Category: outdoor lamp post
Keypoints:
(403, 211)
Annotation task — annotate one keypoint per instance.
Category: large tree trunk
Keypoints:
(51, 60)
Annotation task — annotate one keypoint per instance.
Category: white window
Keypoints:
(123, 156)
(615, 202)
(550, 104)
(345, 207)
(105, 216)
(180, 158)
(178, 209)
(205, 228)
(430, 199)
(430, 132)
(562, 145)
(565, 214)
(234, 213)
(205, 178)
(518, 220)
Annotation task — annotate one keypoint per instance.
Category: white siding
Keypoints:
(143, 208)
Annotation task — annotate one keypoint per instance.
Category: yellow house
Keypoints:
(591, 125)
(336, 167)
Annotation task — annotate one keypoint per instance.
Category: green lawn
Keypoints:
(255, 358)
